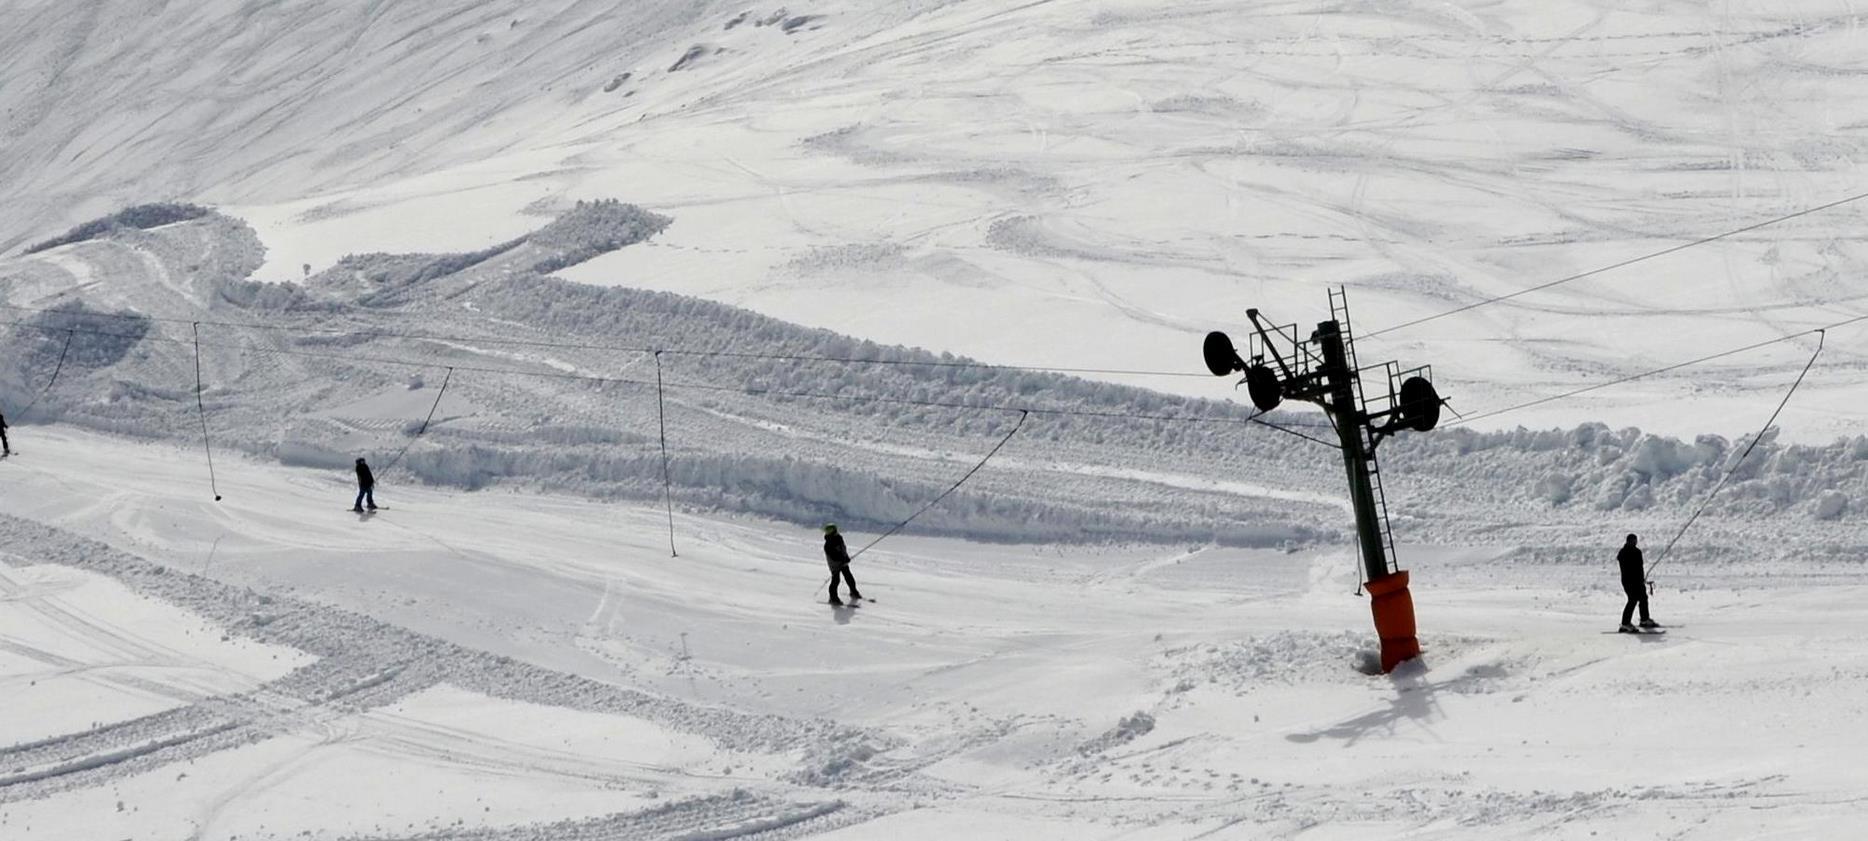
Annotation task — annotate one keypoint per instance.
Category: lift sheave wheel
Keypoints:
(1221, 358)
(1420, 404)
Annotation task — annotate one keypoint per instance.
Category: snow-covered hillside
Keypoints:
(1125, 175)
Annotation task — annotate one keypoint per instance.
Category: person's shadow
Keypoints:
(842, 613)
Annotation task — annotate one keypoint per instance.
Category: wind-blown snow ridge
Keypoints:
(744, 441)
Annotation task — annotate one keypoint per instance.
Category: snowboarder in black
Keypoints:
(839, 557)
(6, 447)
(366, 488)
(1635, 584)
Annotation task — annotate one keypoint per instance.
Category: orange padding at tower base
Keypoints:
(1394, 619)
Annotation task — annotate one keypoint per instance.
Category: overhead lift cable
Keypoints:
(1661, 370)
(1619, 265)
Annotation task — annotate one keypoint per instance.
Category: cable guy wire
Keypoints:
(1022, 415)
(202, 409)
(54, 380)
(1733, 470)
(449, 377)
(668, 488)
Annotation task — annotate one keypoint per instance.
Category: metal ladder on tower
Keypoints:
(1381, 506)
(1339, 311)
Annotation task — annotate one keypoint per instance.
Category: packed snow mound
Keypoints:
(1592, 468)
(1127, 729)
(552, 384)
(141, 217)
(561, 392)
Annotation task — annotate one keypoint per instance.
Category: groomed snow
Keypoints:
(995, 691)
(79, 652)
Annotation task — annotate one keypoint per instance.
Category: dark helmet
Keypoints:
(359, 459)
(1631, 538)
(830, 528)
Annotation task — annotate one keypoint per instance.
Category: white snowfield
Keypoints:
(1121, 176)
(524, 666)
(441, 235)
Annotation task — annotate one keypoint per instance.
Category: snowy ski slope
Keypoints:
(1127, 625)
(308, 672)
(949, 174)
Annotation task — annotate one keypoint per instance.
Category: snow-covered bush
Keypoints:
(590, 229)
(140, 216)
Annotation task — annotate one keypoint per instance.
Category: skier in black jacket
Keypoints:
(1634, 583)
(366, 487)
(839, 557)
(6, 447)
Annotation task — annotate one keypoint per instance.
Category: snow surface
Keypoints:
(994, 691)
(1121, 627)
(943, 174)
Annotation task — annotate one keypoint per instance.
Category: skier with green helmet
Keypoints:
(839, 557)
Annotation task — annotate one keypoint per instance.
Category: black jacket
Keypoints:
(364, 479)
(834, 550)
(1632, 570)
